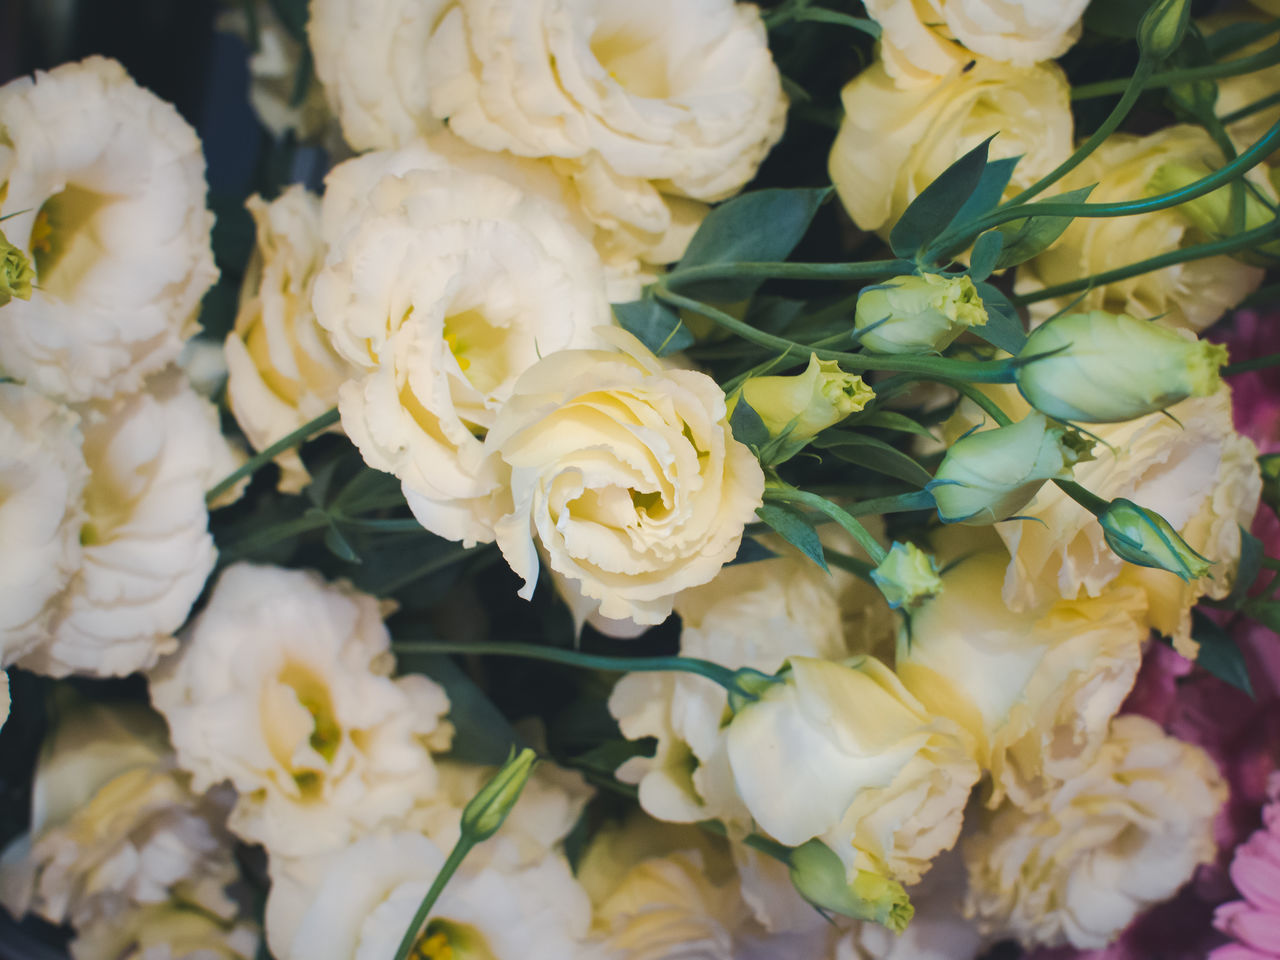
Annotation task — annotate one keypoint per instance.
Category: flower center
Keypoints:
(445, 940)
(63, 243)
(634, 55)
(479, 346)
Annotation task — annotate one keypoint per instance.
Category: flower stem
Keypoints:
(1086, 498)
(261, 459)
(869, 270)
(1169, 78)
(1255, 363)
(451, 864)
(778, 490)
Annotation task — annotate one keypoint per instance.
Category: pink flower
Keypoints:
(1254, 922)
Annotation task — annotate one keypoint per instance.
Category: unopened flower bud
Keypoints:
(907, 576)
(16, 272)
(1100, 367)
(819, 876)
(482, 817)
(803, 405)
(988, 476)
(1213, 212)
(918, 314)
(1145, 538)
(1162, 28)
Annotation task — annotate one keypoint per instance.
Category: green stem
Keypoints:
(1271, 563)
(1087, 499)
(451, 864)
(778, 490)
(987, 404)
(984, 371)
(272, 535)
(765, 845)
(789, 271)
(258, 460)
(1257, 363)
(1198, 251)
(1169, 78)
(588, 661)
(1250, 108)
(859, 568)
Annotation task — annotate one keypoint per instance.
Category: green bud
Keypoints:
(803, 405)
(16, 272)
(1101, 367)
(1162, 28)
(918, 314)
(989, 476)
(482, 817)
(1212, 213)
(1145, 538)
(819, 877)
(907, 576)
(1270, 464)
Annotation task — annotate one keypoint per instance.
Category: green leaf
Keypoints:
(762, 226)
(874, 455)
(795, 528)
(991, 186)
(338, 545)
(747, 426)
(654, 324)
(888, 420)
(1219, 653)
(1003, 328)
(1025, 238)
(751, 550)
(821, 15)
(1266, 612)
(481, 733)
(939, 202)
(986, 250)
(1247, 569)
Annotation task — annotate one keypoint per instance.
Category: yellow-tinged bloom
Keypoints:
(804, 405)
(1213, 213)
(922, 314)
(907, 576)
(16, 272)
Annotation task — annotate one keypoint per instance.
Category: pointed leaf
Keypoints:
(1247, 569)
(795, 528)
(751, 550)
(654, 324)
(1219, 653)
(747, 426)
(888, 420)
(930, 212)
(986, 250)
(990, 189)
(1024, 239)
(874, 454)
(1003, 328)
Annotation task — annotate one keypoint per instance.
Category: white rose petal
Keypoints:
(169, 931)
(106, 194)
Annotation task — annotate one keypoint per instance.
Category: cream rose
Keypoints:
(356, 903)
(868, 770)
(1034, 690)
(625, 474)
(106, 195)
(643, 107)
(443, 285)
(925, 38)
(1119, 837)
(42, 472)
(171, 931)
(1247, 88)
(146, 549)
(281, 370)
(1190, 295)
(894, 142)
(281, 687)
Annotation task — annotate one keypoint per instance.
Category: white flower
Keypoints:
(356, 903)
(1191, 295)
(923, 37)
(443, 285)
(676, 98)
(169, 931)
(281, 370)
(1036, 689)
(894, 142)
(146, 549)
(1121, 836)
(281, 687)
(626, 474)
(42, 472)
(751, 615)
(114, 826)
(106, 193)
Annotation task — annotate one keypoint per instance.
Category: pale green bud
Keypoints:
(907, 576)
(1101, 367)
(482, 817)
(1212, 213)
(1163, 26)
(819, 877)
(16, 272)
(990, 475)
(920, 314)
(1145, 538)
(807, 403)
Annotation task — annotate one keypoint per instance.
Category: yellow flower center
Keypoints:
(41, 231)
(434, 947)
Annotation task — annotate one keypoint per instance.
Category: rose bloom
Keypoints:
(443, 285)
(42, 472)
(170, 931)
(145, 546)
(1119, 837)
(1034, 689)
(281, 687)
(926, 38)
(106, 196)
(894, 142)
(1190, 295)
(281, 370)
(625, 474)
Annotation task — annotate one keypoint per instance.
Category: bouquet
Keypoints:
(647, 480)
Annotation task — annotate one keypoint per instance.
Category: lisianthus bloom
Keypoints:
(281, 686)
(1246, 88)
(894, 142)
(106, 194)
(917, 314)
(281, 369)
(926, 38)
(443, 285)
(169, 931)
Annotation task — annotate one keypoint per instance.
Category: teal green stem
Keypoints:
(987, 404)
(259, 460)
(778, 490)
(1087, 499)
(1249, 109)
(269, 536)
(1256, 363)
(455, 554)
(869, 270)
(451, 864)
(1199, 251)
(1169, 78)
(983, 371)
(859, 568)
(765, 845)
(588, 661)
